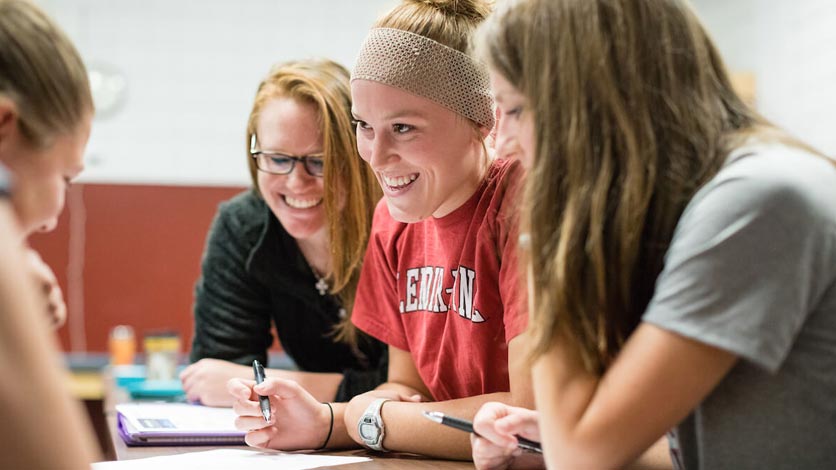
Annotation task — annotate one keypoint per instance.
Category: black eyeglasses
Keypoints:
(277, 163)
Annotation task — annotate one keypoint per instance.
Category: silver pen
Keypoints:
(263, 401)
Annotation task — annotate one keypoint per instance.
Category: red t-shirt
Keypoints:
(447, 290)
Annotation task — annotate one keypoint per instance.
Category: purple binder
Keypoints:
(160, 438)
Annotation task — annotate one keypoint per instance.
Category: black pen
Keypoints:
(262, 400)
(467, 426)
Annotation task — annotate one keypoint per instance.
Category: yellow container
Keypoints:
(162, 352)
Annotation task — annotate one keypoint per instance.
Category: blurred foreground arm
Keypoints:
(43, 427)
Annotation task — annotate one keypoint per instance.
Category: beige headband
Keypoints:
(424, 67)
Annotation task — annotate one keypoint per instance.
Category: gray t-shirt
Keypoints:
(752, 269)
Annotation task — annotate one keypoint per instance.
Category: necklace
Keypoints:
(321, 285)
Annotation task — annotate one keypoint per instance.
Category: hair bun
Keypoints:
(476, 10)
(449, 22)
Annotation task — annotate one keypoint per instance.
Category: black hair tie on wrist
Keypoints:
(330, 427)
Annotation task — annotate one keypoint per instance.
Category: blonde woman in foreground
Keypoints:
(45, 114)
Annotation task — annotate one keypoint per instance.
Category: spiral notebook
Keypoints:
(176, 424)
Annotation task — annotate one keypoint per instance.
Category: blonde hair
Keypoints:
(351, 190)
(42, 73)
(449, 22)
(633, 112)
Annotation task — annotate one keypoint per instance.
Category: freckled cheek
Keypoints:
(319, 183)
(268, 183)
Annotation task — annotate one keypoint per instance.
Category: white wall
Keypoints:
(789, 45)
(192, 68)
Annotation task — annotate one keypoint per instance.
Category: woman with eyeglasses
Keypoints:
(287, 253)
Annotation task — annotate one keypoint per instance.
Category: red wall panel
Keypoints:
(140, 254)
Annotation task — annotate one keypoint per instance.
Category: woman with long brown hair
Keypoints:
(288, 252)
(681, 249)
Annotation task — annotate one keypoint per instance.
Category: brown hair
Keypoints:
(634, 112)
(42, 73)
(348, 181)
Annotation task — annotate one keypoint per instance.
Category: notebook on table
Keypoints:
(176, 424)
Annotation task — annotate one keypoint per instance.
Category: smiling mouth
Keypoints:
(397, 183)
(301, 203)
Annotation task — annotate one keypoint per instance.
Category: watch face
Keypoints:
(369, 430)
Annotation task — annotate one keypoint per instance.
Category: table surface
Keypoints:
(380, 461)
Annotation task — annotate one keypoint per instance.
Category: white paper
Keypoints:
(225, 459)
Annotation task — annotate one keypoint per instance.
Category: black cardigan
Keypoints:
(253, 274)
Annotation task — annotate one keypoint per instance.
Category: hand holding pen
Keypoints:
(296, 421)
(263, 401)
(467, 426)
